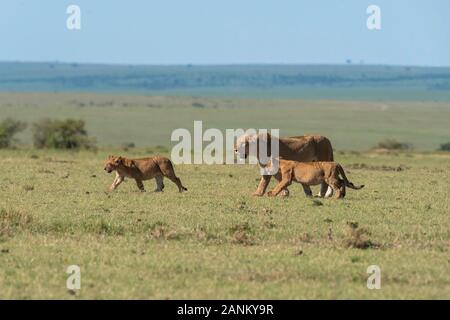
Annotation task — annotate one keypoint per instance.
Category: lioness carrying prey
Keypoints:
(142, 169)
(298, 148)
(313, 173)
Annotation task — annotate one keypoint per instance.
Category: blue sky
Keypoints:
(414, 32)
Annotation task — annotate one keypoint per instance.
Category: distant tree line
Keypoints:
(48, 133)
(82, 77)
(208, 80)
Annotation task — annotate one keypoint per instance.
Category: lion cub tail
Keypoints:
(346, 181)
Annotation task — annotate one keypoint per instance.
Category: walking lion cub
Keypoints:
(142, 169)
(313, 173)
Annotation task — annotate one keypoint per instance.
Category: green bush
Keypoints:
(127, 146)
(8, 128)
(61, 134)
(392, 144)
(445, 147)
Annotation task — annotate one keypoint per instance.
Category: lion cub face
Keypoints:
(112, 163)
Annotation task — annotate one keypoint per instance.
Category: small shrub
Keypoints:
(61, 134)
(445, 147)
(162, 232)
(240, 227)
(198, 105)
(127, 146)
(8, 129)
(241, 234)
(103, 227)
(305, 237)
(160, 148)
(242, 237)
(392, 144)
(357, 237)
(28, 187)
(159, 232)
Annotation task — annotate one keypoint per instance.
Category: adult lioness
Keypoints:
(313, 173)
(142, 169)
(298, 148)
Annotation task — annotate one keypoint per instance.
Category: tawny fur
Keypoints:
(142, 169)
(313, 173)
(298, 148)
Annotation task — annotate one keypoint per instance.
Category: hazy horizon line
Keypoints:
(356, 63)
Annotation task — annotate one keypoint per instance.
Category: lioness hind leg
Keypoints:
(177, 181)
(338, 188)
(325, 190)
(339, 194)
(168, 171)
(329, 192)
(172, 177)
(159, 183)
(342, 187)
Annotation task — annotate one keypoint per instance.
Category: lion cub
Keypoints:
(313, 173)
(142, 169)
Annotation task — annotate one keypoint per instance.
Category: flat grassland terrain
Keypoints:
(148, 121)
(216, 240)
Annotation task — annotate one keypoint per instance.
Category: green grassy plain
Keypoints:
(217, 241)
(149, 121)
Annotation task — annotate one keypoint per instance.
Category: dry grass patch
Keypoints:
(12, 220)
(356, 237)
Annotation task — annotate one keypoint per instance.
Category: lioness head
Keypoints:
(242, 146)
(248, 144)
(112, 163)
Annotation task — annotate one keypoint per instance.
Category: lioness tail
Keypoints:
(347, 183)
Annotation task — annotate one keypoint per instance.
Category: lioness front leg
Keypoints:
(307, 190)
(117, 180)
(140, 185)
(325, 191)
(279, 187)
(262, 186)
